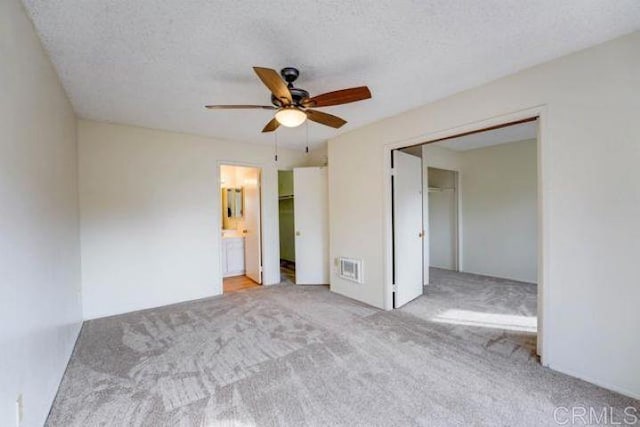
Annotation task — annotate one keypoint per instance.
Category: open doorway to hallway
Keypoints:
(479, 232)
(241, 254)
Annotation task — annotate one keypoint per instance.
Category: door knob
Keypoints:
(421, 234)
(297, 233)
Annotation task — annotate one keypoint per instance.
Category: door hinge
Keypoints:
(260, 269)
(393, 171)
(394, 288)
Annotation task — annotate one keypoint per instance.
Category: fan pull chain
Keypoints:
(306, 149)
(275, 137)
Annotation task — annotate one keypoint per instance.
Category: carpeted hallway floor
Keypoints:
(462, 354)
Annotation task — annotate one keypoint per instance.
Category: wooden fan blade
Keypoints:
(325, 119)
(239, 107)
(271, 126)
(276, 85)
(339, 97)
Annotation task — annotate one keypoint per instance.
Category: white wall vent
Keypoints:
(350, 269)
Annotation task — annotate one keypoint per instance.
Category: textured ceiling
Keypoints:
(520, 132)
(155, 63)
(504, 135)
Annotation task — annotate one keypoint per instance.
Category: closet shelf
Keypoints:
(439, 189)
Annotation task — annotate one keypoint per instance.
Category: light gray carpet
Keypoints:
(505, 311)
(292, 355)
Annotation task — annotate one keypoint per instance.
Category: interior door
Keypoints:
(407, 227)
(311, 219)
(252, 231)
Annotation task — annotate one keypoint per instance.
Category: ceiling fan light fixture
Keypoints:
(291, 117)
(293, 106)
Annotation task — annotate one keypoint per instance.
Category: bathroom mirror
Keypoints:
(232, 203)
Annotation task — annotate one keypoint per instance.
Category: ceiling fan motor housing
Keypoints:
(296, 93)
(290, 74)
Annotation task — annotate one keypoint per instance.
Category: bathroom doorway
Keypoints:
(241, 254)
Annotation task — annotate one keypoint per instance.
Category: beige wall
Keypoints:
(40, 309)
(590, 188)
(499, 211)
(318, 156)
(150, 218)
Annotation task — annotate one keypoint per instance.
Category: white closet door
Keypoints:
(311, 218)
(407, 227)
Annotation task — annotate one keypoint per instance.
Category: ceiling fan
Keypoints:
(293, 105)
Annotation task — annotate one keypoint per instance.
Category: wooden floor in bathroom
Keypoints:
(232, 284)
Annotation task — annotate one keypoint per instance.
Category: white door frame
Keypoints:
(543, 206)
(218, 285)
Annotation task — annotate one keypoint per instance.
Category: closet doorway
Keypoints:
(286, 218)
(442, 219)
(304, 226)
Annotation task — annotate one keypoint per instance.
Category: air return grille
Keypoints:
(350, 269)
